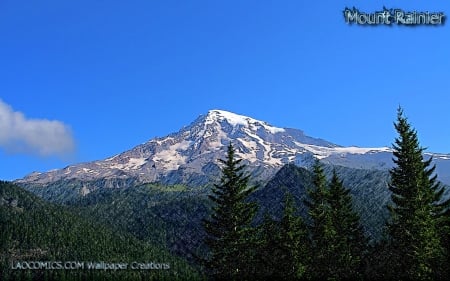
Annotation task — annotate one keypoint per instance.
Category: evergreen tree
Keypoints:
(321, 230)
(337, 239)
(444, 227)
(230, 237)
(283, 250)
(268, 249)
(416, 209)
(293, 242)
(351, 243)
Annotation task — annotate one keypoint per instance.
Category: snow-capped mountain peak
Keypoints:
(235, 119)
(191, 155)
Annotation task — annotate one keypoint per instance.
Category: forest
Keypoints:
(227, 232)
(330, 244)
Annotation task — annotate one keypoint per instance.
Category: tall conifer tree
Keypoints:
(321, 230)
(294, 241)
(269, 250)
(351, 243)
(414, 239)
(229, 233)
(337, 239)
(283, 249)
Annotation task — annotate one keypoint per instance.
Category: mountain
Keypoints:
(190, 156)
(158, 214)
(172, 215)
(35, 230)
(157, 192)
(369, 190)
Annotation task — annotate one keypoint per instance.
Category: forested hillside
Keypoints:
(35, 230)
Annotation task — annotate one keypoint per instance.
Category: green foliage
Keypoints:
(322, 232)
(293, 241)
(268, 249)
(320, 239)
(351, 243)
(230, 237)
(35, 230)
(414, 240)
(337, 239)
(160, 215)
(283, 249)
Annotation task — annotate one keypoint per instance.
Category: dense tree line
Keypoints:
(314, 237)
(32, 229)
(329, 243)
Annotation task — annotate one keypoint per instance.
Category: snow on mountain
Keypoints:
(235, 119)
(324, 152)
(189, 153)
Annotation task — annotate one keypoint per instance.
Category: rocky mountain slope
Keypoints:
(190, 155)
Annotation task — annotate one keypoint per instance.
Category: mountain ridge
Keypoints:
(190, 155)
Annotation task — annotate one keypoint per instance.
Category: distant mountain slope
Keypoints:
(368, 188)
(192, 150)
(162, 215)
(178, 210)
(190, 156)
(34, 230)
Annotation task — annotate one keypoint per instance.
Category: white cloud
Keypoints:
(34, 136)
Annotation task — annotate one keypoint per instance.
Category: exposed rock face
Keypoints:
(190, 155)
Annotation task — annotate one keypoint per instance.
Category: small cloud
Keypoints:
(33, 136)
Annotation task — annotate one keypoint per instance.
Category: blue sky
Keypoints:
(85, 80)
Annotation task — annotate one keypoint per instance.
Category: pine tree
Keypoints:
(268, 249)
(321, 230)
(444, 227)
(351, 242)
(338, 241)
(416, 209)
(293, 242)
(283, 251)
(230, 237)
